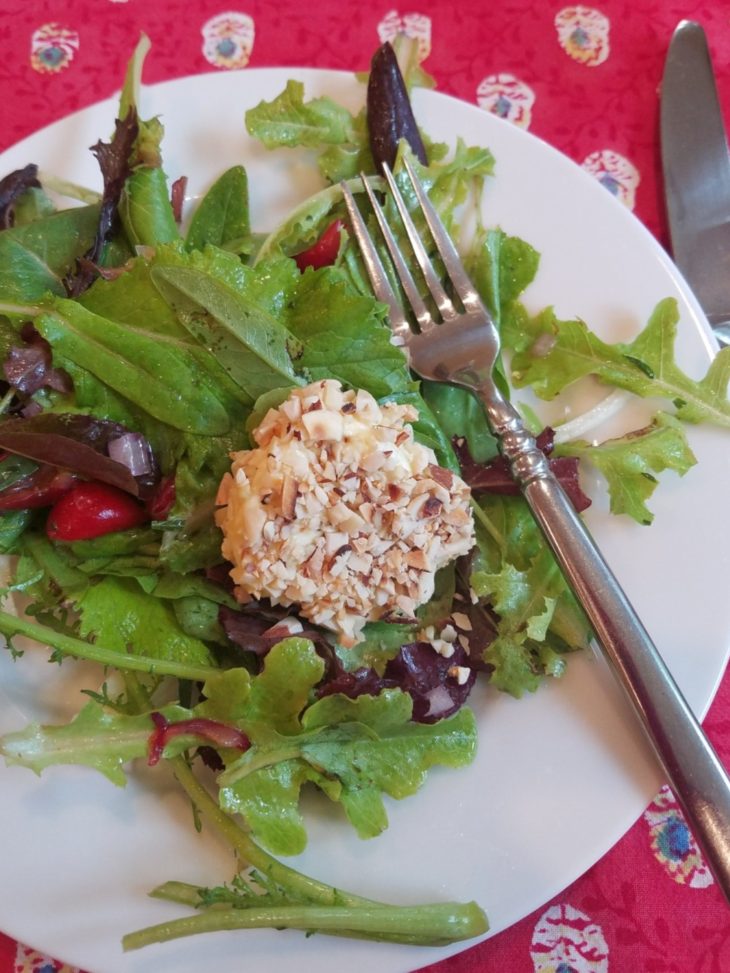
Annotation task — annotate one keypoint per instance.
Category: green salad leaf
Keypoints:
(629, 463)
(290, 120)
(222, 214)
(344, 335)
(646, 366)
(97, 737)
(122, 617)
(209, 294)
(36, 256)
(352, 750)
(538, 619)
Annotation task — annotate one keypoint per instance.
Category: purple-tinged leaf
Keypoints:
(41, 488)
(113, 158)
(495, 477)
(258, 627)
(12, 188)
(71, 442)
(389, 114)
(221, 735)
(177, 197)
(29, 366)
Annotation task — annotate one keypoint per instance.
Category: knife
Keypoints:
(696, 168)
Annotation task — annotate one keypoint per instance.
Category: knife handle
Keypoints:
(699, 781)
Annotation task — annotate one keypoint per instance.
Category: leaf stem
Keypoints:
(432, 925)
(11, 625)
(24, 310)
(324, 909)
(251, 854)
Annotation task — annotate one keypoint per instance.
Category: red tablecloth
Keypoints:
(585, 78)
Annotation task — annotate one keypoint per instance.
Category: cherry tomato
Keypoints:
(324, 251)
(161, 501)
(91, 510)
(41, 488)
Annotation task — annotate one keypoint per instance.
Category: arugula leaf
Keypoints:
(538, 617)
(351, 749)
(97, 737)
(122, 617)
(448, 183)
(629, 462)
(501, 267)
(645, 367)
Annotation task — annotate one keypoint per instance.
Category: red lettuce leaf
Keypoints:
(73, 442)
(389, 114)
(29, 366)
(113, 158)
(255, 628)
(495, 477)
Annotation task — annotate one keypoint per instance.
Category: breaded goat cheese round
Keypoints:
(340, 511)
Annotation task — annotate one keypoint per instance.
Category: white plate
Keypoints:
(560, 776)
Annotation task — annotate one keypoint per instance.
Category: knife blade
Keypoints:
(696, 166)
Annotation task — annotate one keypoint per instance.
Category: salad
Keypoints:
(139, 356)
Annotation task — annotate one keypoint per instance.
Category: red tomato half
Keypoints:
(91, 510)
(324, 251)
(41, 489)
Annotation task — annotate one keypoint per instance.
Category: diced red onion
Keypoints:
(439, 701)
(177, 197)
(133, 451)
(32, 409)
(284, 628)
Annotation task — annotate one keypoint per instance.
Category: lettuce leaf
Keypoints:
(344, 335)
(161, 376)
(515, 572)
(97, 737)
(630, 462)
(118, 614)
(646, 366)
(351, 749)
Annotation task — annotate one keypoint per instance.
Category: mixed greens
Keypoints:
(137, 355)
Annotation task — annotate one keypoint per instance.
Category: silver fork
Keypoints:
(462, 349)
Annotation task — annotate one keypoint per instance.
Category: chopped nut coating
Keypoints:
(339, 511)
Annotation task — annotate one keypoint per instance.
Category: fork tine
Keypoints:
(449, 254)
(376, 272)
(442, 299)
(421, 312)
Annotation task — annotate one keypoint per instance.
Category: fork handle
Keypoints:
(699, 781)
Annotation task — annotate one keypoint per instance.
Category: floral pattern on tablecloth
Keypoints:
(52, 48)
